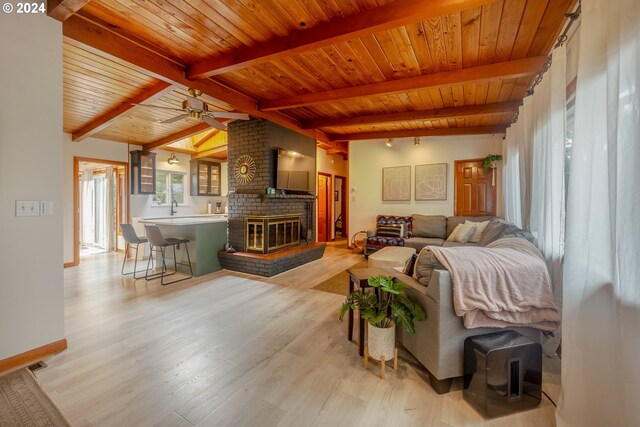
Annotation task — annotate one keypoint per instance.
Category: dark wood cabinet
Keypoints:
(143, 172)
(205, 178)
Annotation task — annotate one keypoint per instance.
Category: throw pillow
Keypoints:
(425, 264)
(480, 227)
(390, 230)
(462, 233)
(410, 265)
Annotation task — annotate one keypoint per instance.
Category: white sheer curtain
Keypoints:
(87, 225)
(511, 185)
(109, 206)
(534, 166)
(548, 127)
(601, 295)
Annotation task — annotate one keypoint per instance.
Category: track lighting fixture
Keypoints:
(416, 140)
(389, 142)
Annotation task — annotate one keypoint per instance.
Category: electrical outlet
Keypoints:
(27, 207)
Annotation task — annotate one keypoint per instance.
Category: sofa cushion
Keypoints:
(425, 264)
(420, 242)
(393, 219)
(429, 226)
(453, 221)
(462, 233)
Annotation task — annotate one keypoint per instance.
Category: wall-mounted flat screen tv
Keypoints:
(295, 171)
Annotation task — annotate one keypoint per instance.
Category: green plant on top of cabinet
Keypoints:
(143, 172)
(205, 178)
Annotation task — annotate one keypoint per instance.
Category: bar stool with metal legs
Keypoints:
(159, 243)
(131, 238)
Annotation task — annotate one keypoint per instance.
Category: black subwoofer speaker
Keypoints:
(503, 373)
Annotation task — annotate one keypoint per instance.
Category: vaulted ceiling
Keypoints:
(335, 70)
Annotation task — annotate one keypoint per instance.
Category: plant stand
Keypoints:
(382, 361)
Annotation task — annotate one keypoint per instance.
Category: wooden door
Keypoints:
(474, 193)
(324, 207)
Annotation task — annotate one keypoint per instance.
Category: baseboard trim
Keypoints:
(33, 355)
(70, 264)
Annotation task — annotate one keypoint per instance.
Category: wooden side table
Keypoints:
(358, 277)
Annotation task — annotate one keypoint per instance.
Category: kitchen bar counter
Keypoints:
(207, 235)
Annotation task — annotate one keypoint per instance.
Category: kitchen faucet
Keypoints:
(172, 203)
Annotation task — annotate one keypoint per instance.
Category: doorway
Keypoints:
(100, 199)
(325, 210)
(475, 192)
(340, 212)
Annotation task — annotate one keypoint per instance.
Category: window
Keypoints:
(169, 187)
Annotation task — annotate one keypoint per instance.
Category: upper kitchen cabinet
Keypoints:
(143, 172)
(205, 178)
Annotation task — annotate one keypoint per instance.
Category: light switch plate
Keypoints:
(27, 207)
(46, 207)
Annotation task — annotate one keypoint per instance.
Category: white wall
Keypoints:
(31, 287)
(367, 158)
(140, 205)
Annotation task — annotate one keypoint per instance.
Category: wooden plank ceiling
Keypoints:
(334, 70)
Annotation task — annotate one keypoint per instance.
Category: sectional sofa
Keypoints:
(439, 340)
(423, 230)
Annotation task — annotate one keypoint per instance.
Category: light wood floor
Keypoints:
(232, 349)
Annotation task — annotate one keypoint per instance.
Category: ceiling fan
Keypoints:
(198, 109)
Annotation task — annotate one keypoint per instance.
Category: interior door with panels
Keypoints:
(474, 193)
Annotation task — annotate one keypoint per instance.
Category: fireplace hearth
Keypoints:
(271, 233)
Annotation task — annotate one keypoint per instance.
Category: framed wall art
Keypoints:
(431, 182)
(396, 183)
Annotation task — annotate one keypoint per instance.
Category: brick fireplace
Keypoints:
(260, 139)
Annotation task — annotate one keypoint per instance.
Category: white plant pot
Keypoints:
(381, 341)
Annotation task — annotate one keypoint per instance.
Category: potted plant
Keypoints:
(383, 312)
(489, 162)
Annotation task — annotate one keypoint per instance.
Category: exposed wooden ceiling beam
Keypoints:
(176, 136)
(63, 9)
(177, 150)
(501, 70)
(389, 16)
(205, 138)
(475, 130)
(437, 114)
(95, 126)
(211, 152)
(100, 40)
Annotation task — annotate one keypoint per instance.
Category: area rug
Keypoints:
(339, 284)
(23, 402)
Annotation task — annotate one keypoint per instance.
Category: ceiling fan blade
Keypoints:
(214, 123)
(157, 106)
(229, 115)
(195, 103)
(176, 118)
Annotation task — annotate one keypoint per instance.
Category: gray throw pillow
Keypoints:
(429, 226)
(493, 231)
(425, 264)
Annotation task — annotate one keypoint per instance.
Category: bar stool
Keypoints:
(159, 243)
(131, 238)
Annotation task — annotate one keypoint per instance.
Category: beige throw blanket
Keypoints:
(503, 284)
